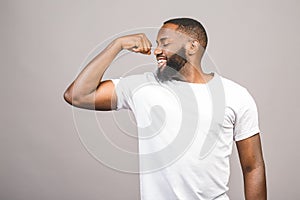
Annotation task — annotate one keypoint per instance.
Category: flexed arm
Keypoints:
(87, 90)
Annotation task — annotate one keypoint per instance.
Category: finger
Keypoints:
(144, 47)
(136, 47)
(149, 45)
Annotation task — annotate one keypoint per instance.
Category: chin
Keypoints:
(167, 73)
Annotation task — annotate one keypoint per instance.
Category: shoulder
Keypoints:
(236, 95)
(232, 86)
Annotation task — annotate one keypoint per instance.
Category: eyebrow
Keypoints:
(162, 39)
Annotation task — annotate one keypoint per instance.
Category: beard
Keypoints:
(174, 64)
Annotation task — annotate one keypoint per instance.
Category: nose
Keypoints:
(157, 50)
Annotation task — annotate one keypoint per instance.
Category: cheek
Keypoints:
(172, 49)
(169, 52)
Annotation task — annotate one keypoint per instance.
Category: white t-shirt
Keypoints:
(186, 131)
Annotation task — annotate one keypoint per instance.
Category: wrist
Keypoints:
(118, 43)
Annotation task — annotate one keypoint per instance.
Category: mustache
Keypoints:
(161, 56)
(174, 64)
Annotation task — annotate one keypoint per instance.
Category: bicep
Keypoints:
(250, 153)
(104, 98)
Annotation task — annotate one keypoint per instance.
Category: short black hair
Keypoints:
(191, 27)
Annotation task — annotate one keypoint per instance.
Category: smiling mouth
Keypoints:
(161, 62)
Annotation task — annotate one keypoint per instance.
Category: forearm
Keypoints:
(255, 184)
(89, 78)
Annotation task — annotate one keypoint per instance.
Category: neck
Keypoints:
(194, 74)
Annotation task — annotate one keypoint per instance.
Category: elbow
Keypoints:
(67, 97)
(77, 101)
(70, 98)
(250, 168)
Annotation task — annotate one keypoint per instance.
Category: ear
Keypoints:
(193, 47)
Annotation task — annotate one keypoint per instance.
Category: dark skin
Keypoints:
(89, 92)
(253, 167)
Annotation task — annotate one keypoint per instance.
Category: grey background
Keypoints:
(43, 44)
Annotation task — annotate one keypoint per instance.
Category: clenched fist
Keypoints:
(138, 43)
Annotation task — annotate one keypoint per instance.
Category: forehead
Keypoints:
(167, 31)
(170, 31)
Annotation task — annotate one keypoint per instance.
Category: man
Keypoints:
(197, 166)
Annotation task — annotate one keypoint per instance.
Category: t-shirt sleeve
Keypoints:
(246, 121)
(124, 99)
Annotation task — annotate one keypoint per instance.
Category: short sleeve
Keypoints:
(124, 99)
(246, 118)
(126, 86)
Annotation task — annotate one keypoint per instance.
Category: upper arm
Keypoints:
(246, 117)
(250, 153)
(104, 98)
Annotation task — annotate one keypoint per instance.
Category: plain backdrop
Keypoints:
(44, 43)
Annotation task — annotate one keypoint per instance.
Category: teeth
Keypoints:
(161, 63)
